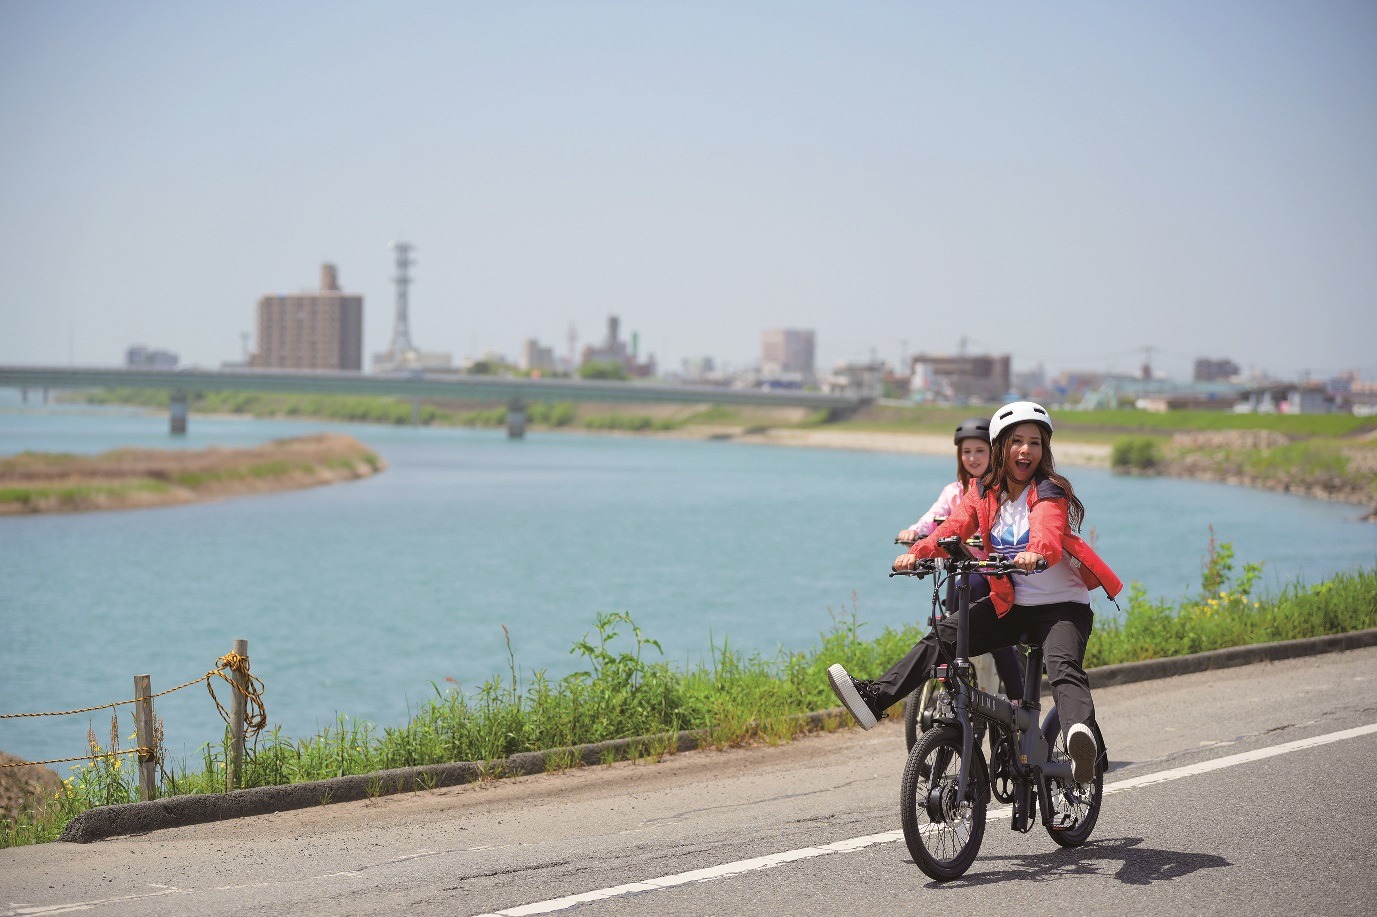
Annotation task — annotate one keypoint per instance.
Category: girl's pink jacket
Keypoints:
(1049, 534)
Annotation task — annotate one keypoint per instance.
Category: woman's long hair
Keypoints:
(997, 474)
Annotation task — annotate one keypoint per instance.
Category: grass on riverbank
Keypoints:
(1108, 425)
(35, 482)
(1330, 468)
(623, 691)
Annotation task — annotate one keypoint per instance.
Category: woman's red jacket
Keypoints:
(1049, 534)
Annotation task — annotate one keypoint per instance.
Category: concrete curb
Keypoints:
(1130, 672)
(176, 811)
(141, 817)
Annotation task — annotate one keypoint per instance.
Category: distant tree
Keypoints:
(602, 369)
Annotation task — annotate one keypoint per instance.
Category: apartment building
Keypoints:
(314, 329)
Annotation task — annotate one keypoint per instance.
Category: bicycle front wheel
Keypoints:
(943, 832)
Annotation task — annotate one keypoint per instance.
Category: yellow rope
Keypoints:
(230, 660)
(15, 716)
(135, 700)
(256, 715)
(90, 757)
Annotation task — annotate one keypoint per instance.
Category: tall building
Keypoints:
(536, 357)
(315, 329)
(614, 350)
(142, 356)
(787, 353)
(962, 378)
(1208, 370)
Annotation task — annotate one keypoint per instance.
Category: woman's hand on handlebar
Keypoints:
(1028, 561)
(907, 536)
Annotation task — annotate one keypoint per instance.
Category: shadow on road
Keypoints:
(1132, 864)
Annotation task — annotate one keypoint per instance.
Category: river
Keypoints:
(357, 598)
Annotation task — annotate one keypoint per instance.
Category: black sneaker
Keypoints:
(862, 698)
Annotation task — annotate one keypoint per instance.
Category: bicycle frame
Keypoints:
(1019, 722)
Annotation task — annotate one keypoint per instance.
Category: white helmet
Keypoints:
(1018, 412)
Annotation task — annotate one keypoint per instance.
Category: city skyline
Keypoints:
(1081, 187)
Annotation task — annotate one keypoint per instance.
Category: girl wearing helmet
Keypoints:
(972, 441)
(1025, 510)
(972, 459)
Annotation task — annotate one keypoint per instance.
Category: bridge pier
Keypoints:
(416, 411)
(516, 419)
(176, 412)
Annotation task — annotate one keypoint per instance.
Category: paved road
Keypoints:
(1247, 790)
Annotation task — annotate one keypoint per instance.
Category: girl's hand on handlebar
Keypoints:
(906, 563)
(1028, 561)
(907, 536)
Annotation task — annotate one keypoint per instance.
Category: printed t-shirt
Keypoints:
(1058, 583)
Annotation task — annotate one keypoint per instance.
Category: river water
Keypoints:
(357, 598)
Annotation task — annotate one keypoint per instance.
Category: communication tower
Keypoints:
(401, 325)
(402, 354)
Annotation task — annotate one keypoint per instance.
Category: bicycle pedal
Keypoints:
(1063, 821)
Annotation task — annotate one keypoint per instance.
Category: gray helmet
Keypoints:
(973, 428)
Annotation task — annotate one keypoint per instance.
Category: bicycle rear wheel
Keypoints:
(924, 700)
(914, 705)
(943, 832)
(1080, 801)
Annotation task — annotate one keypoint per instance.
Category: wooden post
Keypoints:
(144, 735)
(177, 411)
(239, 706)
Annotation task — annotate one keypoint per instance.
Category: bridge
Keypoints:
(516, 393)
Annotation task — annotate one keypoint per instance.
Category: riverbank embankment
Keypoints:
(1330, 457)
(1070, 453)
(1264, 459)
(44, 482)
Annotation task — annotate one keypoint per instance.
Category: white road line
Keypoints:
(857, 843)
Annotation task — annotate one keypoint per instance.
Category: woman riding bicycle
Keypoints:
(972, 441)
(1024, 510)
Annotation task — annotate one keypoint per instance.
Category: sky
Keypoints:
(1083, 185)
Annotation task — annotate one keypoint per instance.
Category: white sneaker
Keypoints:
(1080, 744)
(852, 694)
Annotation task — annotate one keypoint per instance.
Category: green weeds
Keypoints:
(636, 423)
(1226, 613)
(72, 495)
(1135, 454)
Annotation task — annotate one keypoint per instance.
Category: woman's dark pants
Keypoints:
(1062, 630)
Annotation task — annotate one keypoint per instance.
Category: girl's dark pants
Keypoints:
(1062, 629)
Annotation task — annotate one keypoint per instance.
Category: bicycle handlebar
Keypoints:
(993, 566)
